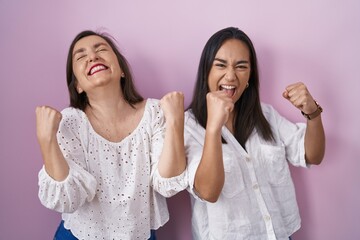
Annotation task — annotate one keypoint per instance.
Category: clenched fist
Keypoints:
(172, 105)
(219, 107)
(300, 97)
(47, 123)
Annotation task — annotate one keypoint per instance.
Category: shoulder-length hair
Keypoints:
(248, 113)
(81, 100)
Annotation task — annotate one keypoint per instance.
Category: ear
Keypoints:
(79, 90)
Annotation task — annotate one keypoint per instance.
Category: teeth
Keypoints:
(97, 68)
(228, 87)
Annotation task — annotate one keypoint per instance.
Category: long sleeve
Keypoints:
(194, 142)
(168, 187)
(292, 135)
(79, 186)
(68, 195)
(165, 186)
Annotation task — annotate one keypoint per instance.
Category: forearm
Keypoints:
(314, 141)
(54, 161)
(67, 196)
(172, 160)
(210, 176)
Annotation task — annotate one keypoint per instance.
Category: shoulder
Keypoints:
(189, 116)
(152, 103)
(71, 112)
(190, 120)
(72, 116)
(153, 106)
(268, 110)
(153, 113)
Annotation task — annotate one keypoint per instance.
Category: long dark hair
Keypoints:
(81, 100)
(248, 113)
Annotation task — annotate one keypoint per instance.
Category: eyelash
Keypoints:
(99, 50)
(223, 65)
(241, 66)
(80, 57)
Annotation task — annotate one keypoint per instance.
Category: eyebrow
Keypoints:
(96, 45)
(238, 62)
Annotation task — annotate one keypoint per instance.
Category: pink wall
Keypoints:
(312, 41)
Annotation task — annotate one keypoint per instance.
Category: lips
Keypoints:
(228, 89)
(97, 68)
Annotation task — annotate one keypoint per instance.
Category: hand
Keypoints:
(172, 105)
(219, 107)
(300, 97)
(47, 123)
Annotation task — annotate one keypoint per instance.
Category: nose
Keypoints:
(230, 75)
(93, 56)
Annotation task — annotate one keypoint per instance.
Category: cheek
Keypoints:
(244, 76)
(116, 68)
(117, 71)
(77, 69)
(238, 94)
(212, 85)
(213, 82)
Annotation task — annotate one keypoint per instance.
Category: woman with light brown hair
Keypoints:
(111, 158)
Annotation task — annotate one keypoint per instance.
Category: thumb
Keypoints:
(285, 94)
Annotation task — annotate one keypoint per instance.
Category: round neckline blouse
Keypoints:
(141, 122)
(108, 192)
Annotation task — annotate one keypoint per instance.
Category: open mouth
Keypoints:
(97, 68)
(229, 90)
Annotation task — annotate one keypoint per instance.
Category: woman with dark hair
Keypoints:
(108, 160)
(238, 148)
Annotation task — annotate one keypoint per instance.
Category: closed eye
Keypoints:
(220, 65)
(80, 57)
(242, 66)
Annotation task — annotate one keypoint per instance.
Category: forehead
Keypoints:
(89, 42)
(233, 48)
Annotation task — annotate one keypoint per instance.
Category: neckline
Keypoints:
(229, 137)
(125, 138)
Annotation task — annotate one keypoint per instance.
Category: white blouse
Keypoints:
(258, 199)
(109, 192)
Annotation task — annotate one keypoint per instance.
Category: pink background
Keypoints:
(316, 42)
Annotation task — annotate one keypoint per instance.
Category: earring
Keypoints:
(247, 85)
(123, 75)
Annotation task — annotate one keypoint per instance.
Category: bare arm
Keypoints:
(301, 98)
(172, 160)
(210, 176)
(47, 124)
(314, 141)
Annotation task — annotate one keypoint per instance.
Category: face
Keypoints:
(94, 63)
(230, 71)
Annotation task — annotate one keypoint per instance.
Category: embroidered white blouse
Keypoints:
(258, 199)
(109, 192)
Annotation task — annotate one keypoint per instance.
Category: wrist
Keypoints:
(314, 114)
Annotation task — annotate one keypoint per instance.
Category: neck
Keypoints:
(108, 105)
